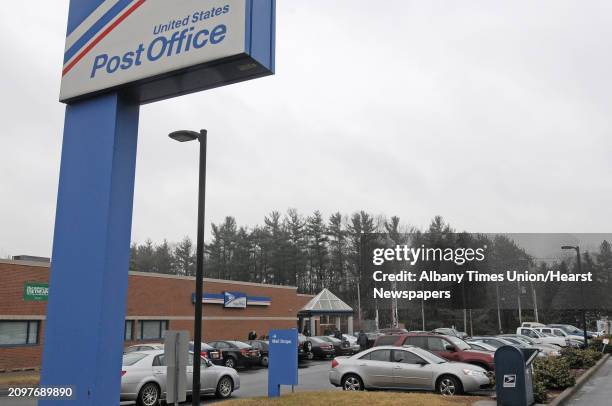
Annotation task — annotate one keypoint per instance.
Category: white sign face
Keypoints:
(235, 300)
(124, 41)
(510, 381)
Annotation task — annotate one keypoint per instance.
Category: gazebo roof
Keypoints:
(326, 303)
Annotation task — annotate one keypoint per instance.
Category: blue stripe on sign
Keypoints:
(97, 27)
(79, 11)
(258, 299)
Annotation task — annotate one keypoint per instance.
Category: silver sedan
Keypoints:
(143, 378)
(406, 368)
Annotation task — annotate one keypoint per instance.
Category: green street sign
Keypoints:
(35, 291)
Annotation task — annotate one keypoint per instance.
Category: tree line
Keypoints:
(313, 252)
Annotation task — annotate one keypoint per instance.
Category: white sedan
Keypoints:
(143, 378)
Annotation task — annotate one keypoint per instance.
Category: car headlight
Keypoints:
(472, 372)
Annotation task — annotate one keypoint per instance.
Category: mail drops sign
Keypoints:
(127, 41)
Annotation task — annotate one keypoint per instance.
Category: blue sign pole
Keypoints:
(91, 250)
(91, 247)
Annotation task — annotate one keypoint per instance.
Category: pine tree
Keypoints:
(184, 258)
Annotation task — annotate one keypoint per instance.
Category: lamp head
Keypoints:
(184, 135)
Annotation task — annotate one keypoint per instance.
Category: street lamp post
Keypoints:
(584, 326)
(183, 136)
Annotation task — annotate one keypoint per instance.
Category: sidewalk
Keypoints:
(597, 390)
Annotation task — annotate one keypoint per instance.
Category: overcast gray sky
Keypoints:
(495, 115)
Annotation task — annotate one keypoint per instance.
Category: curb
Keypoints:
(567, 393)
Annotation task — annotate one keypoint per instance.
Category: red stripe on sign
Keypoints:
(101, 36)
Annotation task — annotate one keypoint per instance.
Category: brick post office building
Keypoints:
(155, 303)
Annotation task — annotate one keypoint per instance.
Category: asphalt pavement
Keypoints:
(597, 391)
(312, 376)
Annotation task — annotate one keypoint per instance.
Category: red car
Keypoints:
(448, 347)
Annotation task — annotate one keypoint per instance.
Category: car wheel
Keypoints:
(148, 395)
(352, 382)
(264, 361)
(230, 362)
(448, 386)
(225, 387)
(310, 356)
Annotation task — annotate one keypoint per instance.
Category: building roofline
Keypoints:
(25, 263)
(157, 275)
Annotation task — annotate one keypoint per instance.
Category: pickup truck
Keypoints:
(542, 338)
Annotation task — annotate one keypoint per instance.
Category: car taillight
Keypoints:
(123, 373)
(204, 354)
(334, 363)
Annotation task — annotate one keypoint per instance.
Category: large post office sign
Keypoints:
(160, 48)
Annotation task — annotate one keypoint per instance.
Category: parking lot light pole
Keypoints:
(584, 326)
(183, 136)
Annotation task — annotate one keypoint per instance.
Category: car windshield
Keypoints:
(239, 344)
(132, 358)
(429, 356)
(459, 343)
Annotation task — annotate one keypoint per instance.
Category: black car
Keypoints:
(209, 352)
(341, 347)
(263, 347)
(236, 353)
(320, 348)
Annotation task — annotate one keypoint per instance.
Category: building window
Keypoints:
(153, 329)
(129, 330)
(18, 332)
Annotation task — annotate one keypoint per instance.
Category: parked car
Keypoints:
(236, 353)
(143, 347)
(405, 368)
(557, 332)
(573, 330)
(494, 341)
(392, 331)
(351, 339)
(448, 347)
(264, 350)
(321, 349)
(209, 352)
(532, 324)
(541, 337)
(480, 346)
(340, 347)
(450, 332)
(545, 349)
(143, 378)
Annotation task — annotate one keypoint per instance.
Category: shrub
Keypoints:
(577, 358)
(597, 345)
(539, 392)
(553, 373)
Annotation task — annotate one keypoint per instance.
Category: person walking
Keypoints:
(362, 340)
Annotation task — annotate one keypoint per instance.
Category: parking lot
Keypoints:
(313, 376)
(253, 383)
